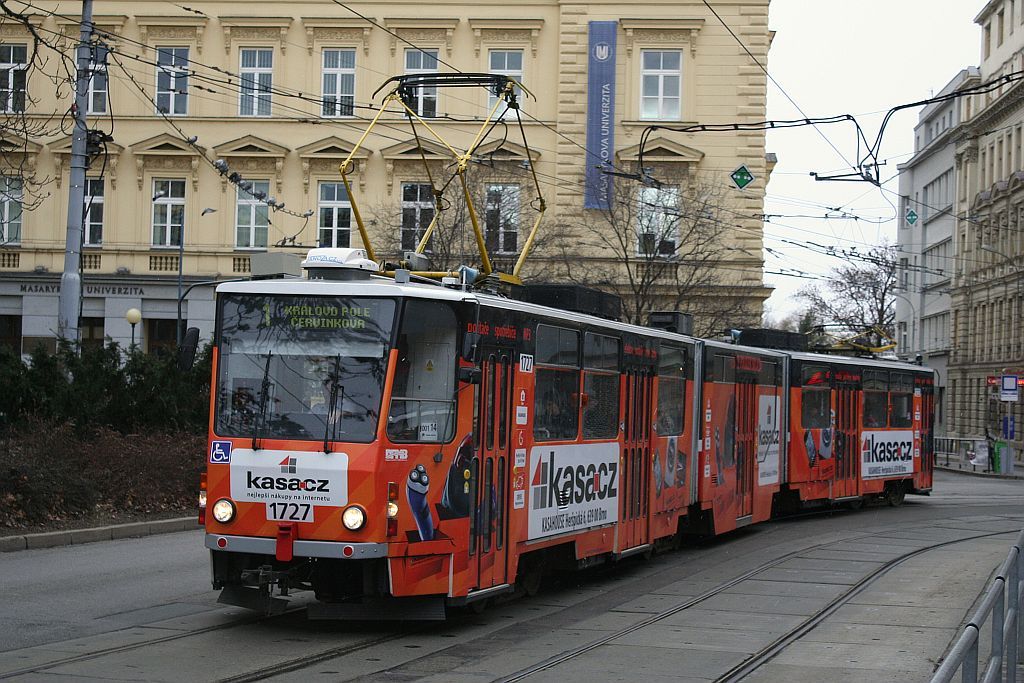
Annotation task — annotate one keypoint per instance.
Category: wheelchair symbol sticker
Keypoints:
(220, 452)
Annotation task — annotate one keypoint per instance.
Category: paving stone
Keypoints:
(48, 540)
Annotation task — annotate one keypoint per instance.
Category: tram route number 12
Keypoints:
(290, 512)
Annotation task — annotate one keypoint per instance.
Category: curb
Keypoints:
(984, 475)
(53, 539)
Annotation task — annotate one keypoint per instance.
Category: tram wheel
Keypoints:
(531, 581)
(478, 606)
(855, 505)
(896, 495)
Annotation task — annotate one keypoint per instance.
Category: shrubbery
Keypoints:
(101, 432)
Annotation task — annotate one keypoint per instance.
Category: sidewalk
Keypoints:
(965, 467)
(53, 539)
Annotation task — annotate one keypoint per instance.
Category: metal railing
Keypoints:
(953, 450)
(1001, 607)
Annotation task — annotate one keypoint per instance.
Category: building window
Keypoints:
(172, 80)
(252, 216)
(417, 213)
(90, 333)
(424, 100)
(12, 78)
(10, 210)
(168, 212)
(507, 63)
(657, 221)
(335, 215)
(160, 337)
(339, 81)
(94, 212)
(10, 332)
(98, 82)
(660, 83)
(257, 75)
(501, 218)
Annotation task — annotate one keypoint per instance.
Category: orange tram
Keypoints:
(400, 447)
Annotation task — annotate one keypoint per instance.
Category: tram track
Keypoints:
(390, 637)
(128, 647)
(775, 647)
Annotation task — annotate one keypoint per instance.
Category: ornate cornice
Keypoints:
(423, 30)
(274, 29)
(674, 31)
(506, 31)
(188, 29)
(333, 29)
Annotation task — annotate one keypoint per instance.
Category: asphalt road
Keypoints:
(141, 609)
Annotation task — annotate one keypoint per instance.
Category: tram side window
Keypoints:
(556, 392)
(422, 399)
(815, 398)
(876, 398)
(600, 386)
(901, 403)
(671, 391)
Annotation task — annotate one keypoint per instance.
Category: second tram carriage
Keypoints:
(400, 447)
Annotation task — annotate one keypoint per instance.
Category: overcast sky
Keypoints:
(857, 57)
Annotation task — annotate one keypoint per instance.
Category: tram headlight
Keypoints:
(223, 511)
(392, 510)
(353, 518)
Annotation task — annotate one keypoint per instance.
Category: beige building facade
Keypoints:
(280, 93)
(987, 294)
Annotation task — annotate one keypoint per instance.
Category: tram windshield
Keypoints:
(309, 368)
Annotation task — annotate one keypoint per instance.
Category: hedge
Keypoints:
(103, 432)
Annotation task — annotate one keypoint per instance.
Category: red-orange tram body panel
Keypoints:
(399, 448)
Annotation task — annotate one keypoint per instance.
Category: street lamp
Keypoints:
(134, 317)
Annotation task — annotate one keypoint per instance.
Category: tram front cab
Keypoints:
(335, 462)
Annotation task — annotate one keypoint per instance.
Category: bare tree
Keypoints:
(661, 246)
(45, 62)
(858, 297)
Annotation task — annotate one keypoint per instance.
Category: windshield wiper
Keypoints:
(332, 419)
(264, 390)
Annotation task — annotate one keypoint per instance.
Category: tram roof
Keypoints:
(859, 362)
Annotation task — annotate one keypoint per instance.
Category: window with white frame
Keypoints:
(507, 63)
(93, 212)
(424, 100)
(501, 218)
(172, 80)
(661, 79)
(257, 79)
(12, 77)
(10, 210)
(252, 216)
(98, 81)
(335, 215)
(168, 212)
(339, 83)
(657, 221)
(417, 213)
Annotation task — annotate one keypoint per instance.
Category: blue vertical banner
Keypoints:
(600, 114)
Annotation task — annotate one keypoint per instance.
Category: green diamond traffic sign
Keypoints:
(742, 177)
(911, 216)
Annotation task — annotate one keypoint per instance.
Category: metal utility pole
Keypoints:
(71, 279)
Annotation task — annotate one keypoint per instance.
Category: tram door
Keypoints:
(927, 433)
(488, 542)
(635, 463)
(846, 439)
(746, 444)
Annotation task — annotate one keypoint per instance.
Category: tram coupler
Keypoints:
(257, 590)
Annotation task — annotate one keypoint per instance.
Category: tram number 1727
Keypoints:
(290, 512)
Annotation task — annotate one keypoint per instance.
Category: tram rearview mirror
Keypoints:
(471, 347)
(469, 375)
(187, 350)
